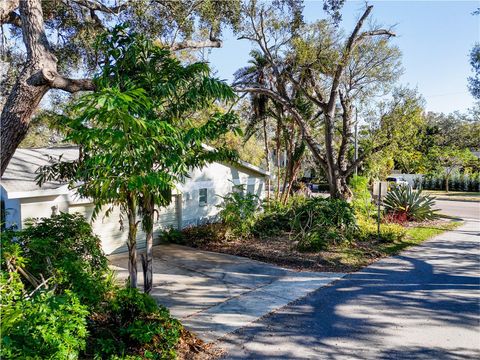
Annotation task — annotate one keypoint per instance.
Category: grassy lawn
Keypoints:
(417, 235)
(359, 254)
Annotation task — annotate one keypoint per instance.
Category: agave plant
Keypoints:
(404, 202)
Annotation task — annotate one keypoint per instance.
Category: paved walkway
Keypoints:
(214, 294)
(422, 304)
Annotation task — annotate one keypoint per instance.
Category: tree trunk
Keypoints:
(293, 178)
(446, 182)
(147, 261)
(132, 239)
(285, 179)
(29, 88)
(277, 196)
(339, 187)
(267, 155)
(37, 76)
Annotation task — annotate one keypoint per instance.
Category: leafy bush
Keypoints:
(319, 222)
(197, 235)
(402, 201)
(362, 199)
(238, 211)
(368, 231)
(131, 324)
(48, 326)
(41, 318)
(275, 218)
(172, 236)
(65, 248)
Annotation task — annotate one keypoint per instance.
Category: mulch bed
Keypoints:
(191, 347)
(281, 250)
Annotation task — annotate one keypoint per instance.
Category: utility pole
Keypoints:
(356, 141)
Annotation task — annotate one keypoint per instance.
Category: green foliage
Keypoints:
(474, 81)
(238, 211)
(137, 131)
(275, 218)
(65, 248)
(402, 201)
(77, 311)
(53, 273)
(362, 199)
(47, 326)
(203, 234)
(133, 323)
(389, 233)
(319, 222)
(171, 236)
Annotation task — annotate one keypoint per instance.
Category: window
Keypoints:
(202, 197)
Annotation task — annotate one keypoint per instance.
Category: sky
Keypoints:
(435, 38)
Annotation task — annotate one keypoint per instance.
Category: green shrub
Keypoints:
(238, 211)
(368, 231)
(133, 323)
(402, 201)
(48, 326)
(275, 218)
(203, 234)
(172, 236)
(362, 199)
(65, 248)
(319, 222)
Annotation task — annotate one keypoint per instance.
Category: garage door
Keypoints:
(114, 240)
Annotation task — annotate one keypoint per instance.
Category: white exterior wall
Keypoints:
(114, 239)
(43, 206)
(12, 210)
(185, 210)
(219, 180)
(107, 228)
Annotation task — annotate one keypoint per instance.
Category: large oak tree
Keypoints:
(50, 43)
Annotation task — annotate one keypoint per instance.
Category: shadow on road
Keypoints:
(406, 307)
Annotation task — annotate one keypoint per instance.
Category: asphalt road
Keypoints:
(422, 304)
(462, 209)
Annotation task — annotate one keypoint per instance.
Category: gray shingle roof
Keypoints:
(21, 171)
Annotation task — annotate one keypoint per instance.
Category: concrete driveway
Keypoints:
(214, 294)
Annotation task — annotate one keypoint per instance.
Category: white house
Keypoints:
(194, 202)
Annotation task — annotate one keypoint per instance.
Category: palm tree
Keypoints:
(257, 73)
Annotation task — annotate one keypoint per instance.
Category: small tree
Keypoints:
(136, 136)
(453, 159)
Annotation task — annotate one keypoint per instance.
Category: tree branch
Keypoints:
(192, 44)
(97, 6)
(363, 156)
(72, 85)
(13, 19)
(7, 7)
(346, 54)
(314, 147)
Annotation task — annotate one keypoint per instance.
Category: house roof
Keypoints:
(19, 177)
(242, 163)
